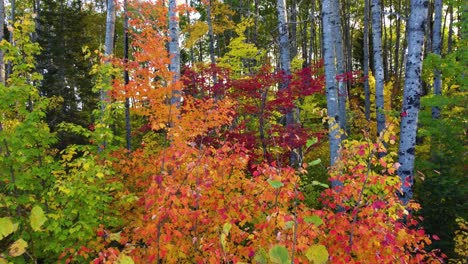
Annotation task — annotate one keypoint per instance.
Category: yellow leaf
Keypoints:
(37, 218)
(18, 248)
(6, 227)
(100, 175)
(317, 254)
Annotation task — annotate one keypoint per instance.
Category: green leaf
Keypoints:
(6, 227)
(313, 219)
(311, 142)
(317, 254)
(227, 228)
(275, 184)
(124, 259)
(18, 248)
(261, 257)
(279, 254)
(37, 218)
(315, 162)
(317, 183)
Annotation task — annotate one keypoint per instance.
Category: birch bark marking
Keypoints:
(411, 97)
(366, 60)
(285, 65)
(128, 128)
(109, 43)
(328, 22)
(436, 49)
(2, 34)
(338, 44)
(378, 64)
(174, 50)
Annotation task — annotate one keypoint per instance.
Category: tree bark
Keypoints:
(366, 60)
(2, 35)
(12, 23)
(436, 49)
(411, 97)
(209, 21)
(285, 65)
(378, 64)
(340, 72)
(328, 27)
(128, 129)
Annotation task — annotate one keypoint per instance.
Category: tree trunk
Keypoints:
(366, 60)
(2, 35)
(338, 44)
(12, 21)
(450, 33)
(209, 21)
(128, 129)
(436, 49)
(328, 26)
(378, 64)
(411, 98)
(293, 33)
(285, 65)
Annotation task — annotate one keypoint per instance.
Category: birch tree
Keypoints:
(109, 41)
(411, 97)
(338, 46)
(378, 64)
(436, 49)
(2, 34)
(328, 22)
(174, 49)
(285, 65)
(128, 132)
(366, 60)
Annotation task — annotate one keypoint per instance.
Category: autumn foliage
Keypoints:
(218, 188)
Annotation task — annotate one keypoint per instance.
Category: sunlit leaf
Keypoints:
(279, 254)
(18, 248)
(6, 227)
(37, 218)
(317, 254)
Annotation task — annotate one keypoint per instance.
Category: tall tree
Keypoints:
(110, 33)
(378, 64)
(285, 65)
(2, 34)
(174, 49)
(366, 60)
(436, 49)
(128, 132)
(340, 62)
(328, 45)
(411, 97)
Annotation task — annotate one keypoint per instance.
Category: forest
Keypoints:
(233, 131)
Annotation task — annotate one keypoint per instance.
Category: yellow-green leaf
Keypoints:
(18, 248)
(6, 227)
(124, 259)
(37, 218)
(317, 254)
(279, 254)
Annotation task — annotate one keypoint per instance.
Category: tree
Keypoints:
(436, 49)
(366, 61)
(2, 34)
(340, 61)
(378, 64)
(411, 97)
(328, 45)
(109, 41)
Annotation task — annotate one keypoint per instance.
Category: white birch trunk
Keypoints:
(109, 41)
(436, 49)
(2, 34)
(338, 44)
(329, 22)
(174, 49)
(366, 60)
(378, 64)
(285, 65)
(411, 97)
